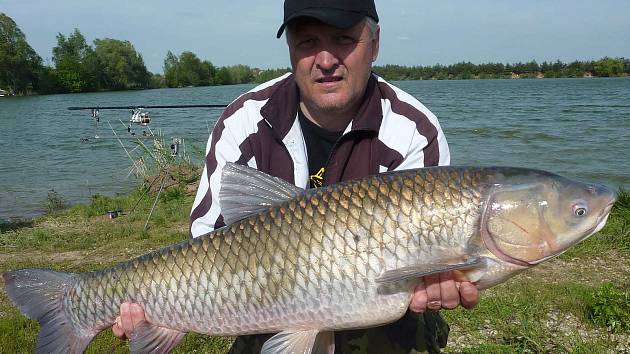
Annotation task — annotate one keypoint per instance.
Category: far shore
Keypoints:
(450, 78)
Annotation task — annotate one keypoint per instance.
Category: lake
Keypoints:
(579, 128)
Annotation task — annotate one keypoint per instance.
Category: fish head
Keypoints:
(533, 218)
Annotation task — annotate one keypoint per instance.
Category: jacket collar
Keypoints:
(370, 114)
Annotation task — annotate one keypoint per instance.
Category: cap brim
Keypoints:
(334, 17)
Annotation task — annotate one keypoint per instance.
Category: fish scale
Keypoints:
(322, 260)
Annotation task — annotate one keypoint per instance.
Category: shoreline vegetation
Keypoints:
(579, 302)
(114, 65)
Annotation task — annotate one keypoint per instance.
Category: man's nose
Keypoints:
(326, 61)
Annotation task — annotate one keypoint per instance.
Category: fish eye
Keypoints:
(579, 210)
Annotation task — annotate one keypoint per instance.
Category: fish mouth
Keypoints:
(608, 208)
(601, 220)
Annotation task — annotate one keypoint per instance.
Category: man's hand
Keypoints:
(131, 314)
(440, 291)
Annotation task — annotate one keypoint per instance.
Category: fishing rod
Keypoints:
(160, 106)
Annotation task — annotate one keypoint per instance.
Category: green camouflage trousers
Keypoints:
(424, 333)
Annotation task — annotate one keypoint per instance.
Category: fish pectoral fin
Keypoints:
(246, 191)
(420, 270)
(148, 338)
(300, 342)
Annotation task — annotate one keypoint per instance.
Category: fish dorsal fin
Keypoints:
(246, 191)
(300, 342)
(148, 338)
(422, 269)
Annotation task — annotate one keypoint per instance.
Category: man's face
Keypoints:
(331, 65)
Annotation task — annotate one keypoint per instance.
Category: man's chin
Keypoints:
(331, 102)
(332, 108)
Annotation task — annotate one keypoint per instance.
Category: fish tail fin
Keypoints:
(39, 294)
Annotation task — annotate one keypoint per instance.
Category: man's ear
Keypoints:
(376, 40)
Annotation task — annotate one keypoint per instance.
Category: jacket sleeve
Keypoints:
(224, 145)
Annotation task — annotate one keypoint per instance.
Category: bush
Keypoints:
(54, 202)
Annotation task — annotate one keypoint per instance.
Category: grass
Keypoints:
(609, 306)
(534, 316)
(577, 303)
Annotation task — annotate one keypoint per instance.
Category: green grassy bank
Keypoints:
(577, 303)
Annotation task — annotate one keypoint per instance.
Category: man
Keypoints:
(330, 120)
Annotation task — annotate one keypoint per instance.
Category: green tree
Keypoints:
(187, 70)
(609, 67)
(122, 67)
(19, 63)
(269, 74)
(209, 72)
(223, 77)
(47, 82)
(157, 81)
(76, 67)
(462, 71)
(240, 74)
(171, 70)
(192, 72)
(575, 69)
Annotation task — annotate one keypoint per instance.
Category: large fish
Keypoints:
(307, 263)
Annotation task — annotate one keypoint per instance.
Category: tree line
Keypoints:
(108, 64)
(112, 64)
(188, 70)
(605, 67)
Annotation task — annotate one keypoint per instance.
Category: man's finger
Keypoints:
(434, 297)
(117, 328)
(469, 295)
(128, 317)
(125, 318)
(448, 291)
(419, 299)
(137, 314)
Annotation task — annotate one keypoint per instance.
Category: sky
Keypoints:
(413, 32)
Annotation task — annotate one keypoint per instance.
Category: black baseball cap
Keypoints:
(337, 13)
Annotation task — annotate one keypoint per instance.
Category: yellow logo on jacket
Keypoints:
(317, 180)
